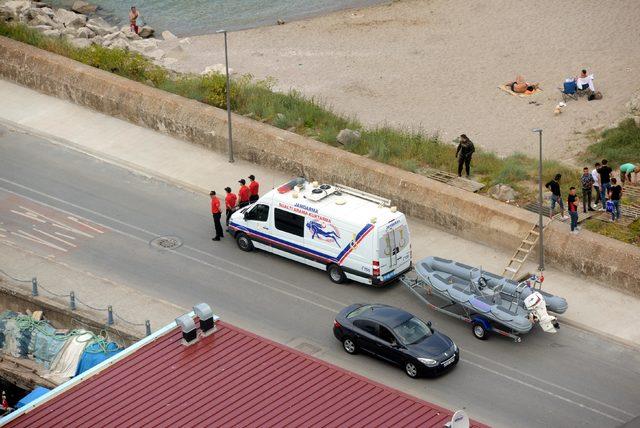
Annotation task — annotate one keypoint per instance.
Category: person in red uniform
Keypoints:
(254, 188)
(215, 211)
(230, 203)
(243, 194)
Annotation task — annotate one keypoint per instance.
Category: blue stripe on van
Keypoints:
(325, 257)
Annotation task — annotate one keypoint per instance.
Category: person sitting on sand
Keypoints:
(520, 86)
(585, 81)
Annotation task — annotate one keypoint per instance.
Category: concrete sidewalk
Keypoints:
(158, 155)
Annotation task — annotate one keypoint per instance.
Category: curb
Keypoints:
(584, 327)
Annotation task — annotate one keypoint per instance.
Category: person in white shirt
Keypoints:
(596, 184)
(585, 81)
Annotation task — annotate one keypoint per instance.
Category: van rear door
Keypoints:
(393, 248)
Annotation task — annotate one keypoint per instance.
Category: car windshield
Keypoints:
(412, 331)
(359, 311)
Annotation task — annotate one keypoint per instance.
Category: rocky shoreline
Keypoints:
(82, 28)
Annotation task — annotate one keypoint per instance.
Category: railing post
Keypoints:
(147, 325)
(72, 301)
(34, 286)
(110, 315)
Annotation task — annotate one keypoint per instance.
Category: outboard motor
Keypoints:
(538, 312)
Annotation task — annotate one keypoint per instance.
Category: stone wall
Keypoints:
(466, 214)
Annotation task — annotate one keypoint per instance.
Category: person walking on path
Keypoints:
(625, 173)
(254, 188)
(133, 19)
(572, 206)
(243, 194)
(556, 197)
(615, 193)
(229, 203)
(587, 186)
(464, 152)
(215, 211)
(605, 179)
(596, 186)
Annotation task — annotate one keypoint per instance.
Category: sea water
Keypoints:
(191, 17)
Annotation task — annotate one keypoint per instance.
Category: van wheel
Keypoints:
(244, 243)
(336, 274)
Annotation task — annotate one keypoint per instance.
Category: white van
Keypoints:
(350, 234)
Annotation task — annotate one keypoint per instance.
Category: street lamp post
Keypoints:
(540, 226)
(226, 61)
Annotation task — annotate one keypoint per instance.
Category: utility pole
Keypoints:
(226, 61)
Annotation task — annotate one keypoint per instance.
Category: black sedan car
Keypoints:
(396, 336)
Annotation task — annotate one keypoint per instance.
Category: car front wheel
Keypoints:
(336, 274)
(349, 346)
(411, 369)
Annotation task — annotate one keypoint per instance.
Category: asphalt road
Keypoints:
(571, 379)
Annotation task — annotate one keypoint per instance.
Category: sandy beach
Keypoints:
(435, 65)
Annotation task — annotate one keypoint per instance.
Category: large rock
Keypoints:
(168, 35)
(41, 28)
(51, 33)
(143, 46)
(146, 32)
(42, 19)
(85, 33)
(16, 7)
(80, 43)
(113, 36)
(156, 54)
(100, 26)
(70, 19)
(216, 69)
(503, 193)
(129, 34)
(348, 137)
(119, 44)
(83, 7)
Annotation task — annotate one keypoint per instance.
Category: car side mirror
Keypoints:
(429, 324)
(395, 344)
(245, 214)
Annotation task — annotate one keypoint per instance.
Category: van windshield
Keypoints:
(412, 331)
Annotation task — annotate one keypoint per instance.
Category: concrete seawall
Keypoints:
(463, 213)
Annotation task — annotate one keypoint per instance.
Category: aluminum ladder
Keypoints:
(526, 246)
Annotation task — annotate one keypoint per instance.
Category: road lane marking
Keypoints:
(54, 237)
(85, 224)
(332, 310)
(29, 216)
(64, 236)
(22, 234)
(57, 223)
(542, 390)
(550, 384)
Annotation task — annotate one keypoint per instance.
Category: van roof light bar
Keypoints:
(364, 195)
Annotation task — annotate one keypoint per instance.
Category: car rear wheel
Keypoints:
(349, 346)
(479, 331)
(336, 274)
(244, 243)
(411, 369)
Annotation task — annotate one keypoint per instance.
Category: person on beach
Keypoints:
(596, 186)
(133, 19)
(243, 194)
(605, 179)
(521, 86)
(464, 152)
(230, 204)
(572, 206)
(254, 188)
(556, 196)
(625, 173)
(587, 186)
(615, 194)
(215, 211)
(585, 81)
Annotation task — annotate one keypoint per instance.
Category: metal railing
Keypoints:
(74, 300)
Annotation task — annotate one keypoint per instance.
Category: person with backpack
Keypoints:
(587, 186)
(615, 194)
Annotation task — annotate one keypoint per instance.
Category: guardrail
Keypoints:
(74, 300)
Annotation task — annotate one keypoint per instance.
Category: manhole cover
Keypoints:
(167, 242)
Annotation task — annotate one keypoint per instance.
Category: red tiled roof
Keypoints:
(230, 378)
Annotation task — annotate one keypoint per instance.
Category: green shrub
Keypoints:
(618, 145)
(513, 169)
